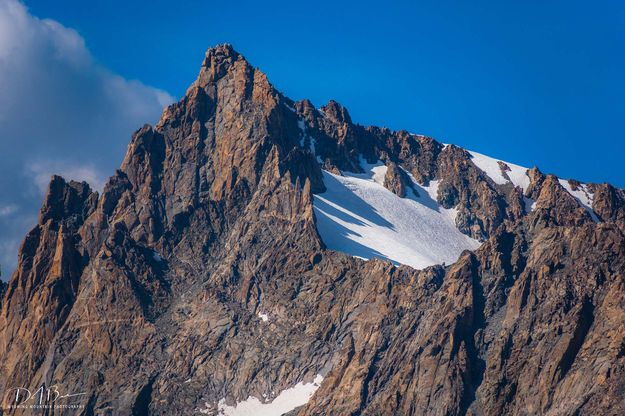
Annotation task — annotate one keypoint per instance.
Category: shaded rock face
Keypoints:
(395, 180)
(609, 203)
(148, 298)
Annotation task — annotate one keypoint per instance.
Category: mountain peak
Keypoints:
(220, 52)
(337, 112)
(63, 199)
(217, 62)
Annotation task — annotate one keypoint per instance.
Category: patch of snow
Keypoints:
(302, 126)
(530, 204)
(311, 141)
(359, 216)
(285, 402)
(432, 192)
(583, 196)
(289, 107)
(263, 316)
(517, 174)
(157, 257)
(489, 166)
(431, 189)
(375, 171)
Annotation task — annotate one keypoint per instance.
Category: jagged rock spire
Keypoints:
(217, 62)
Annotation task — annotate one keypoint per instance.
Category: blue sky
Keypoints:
(534, 82)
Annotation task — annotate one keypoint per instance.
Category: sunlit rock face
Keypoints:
(255, 254)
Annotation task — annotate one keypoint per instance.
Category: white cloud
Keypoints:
(7, 210)
(60, 112)
(41, 171)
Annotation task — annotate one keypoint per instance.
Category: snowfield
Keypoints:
(357, 215)
(517, 174)
(286, 401)
(583, 196)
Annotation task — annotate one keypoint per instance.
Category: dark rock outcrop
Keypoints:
(395, 180)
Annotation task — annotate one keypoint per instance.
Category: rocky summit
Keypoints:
(259, 256)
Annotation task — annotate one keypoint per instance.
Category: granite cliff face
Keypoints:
(198, 279)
